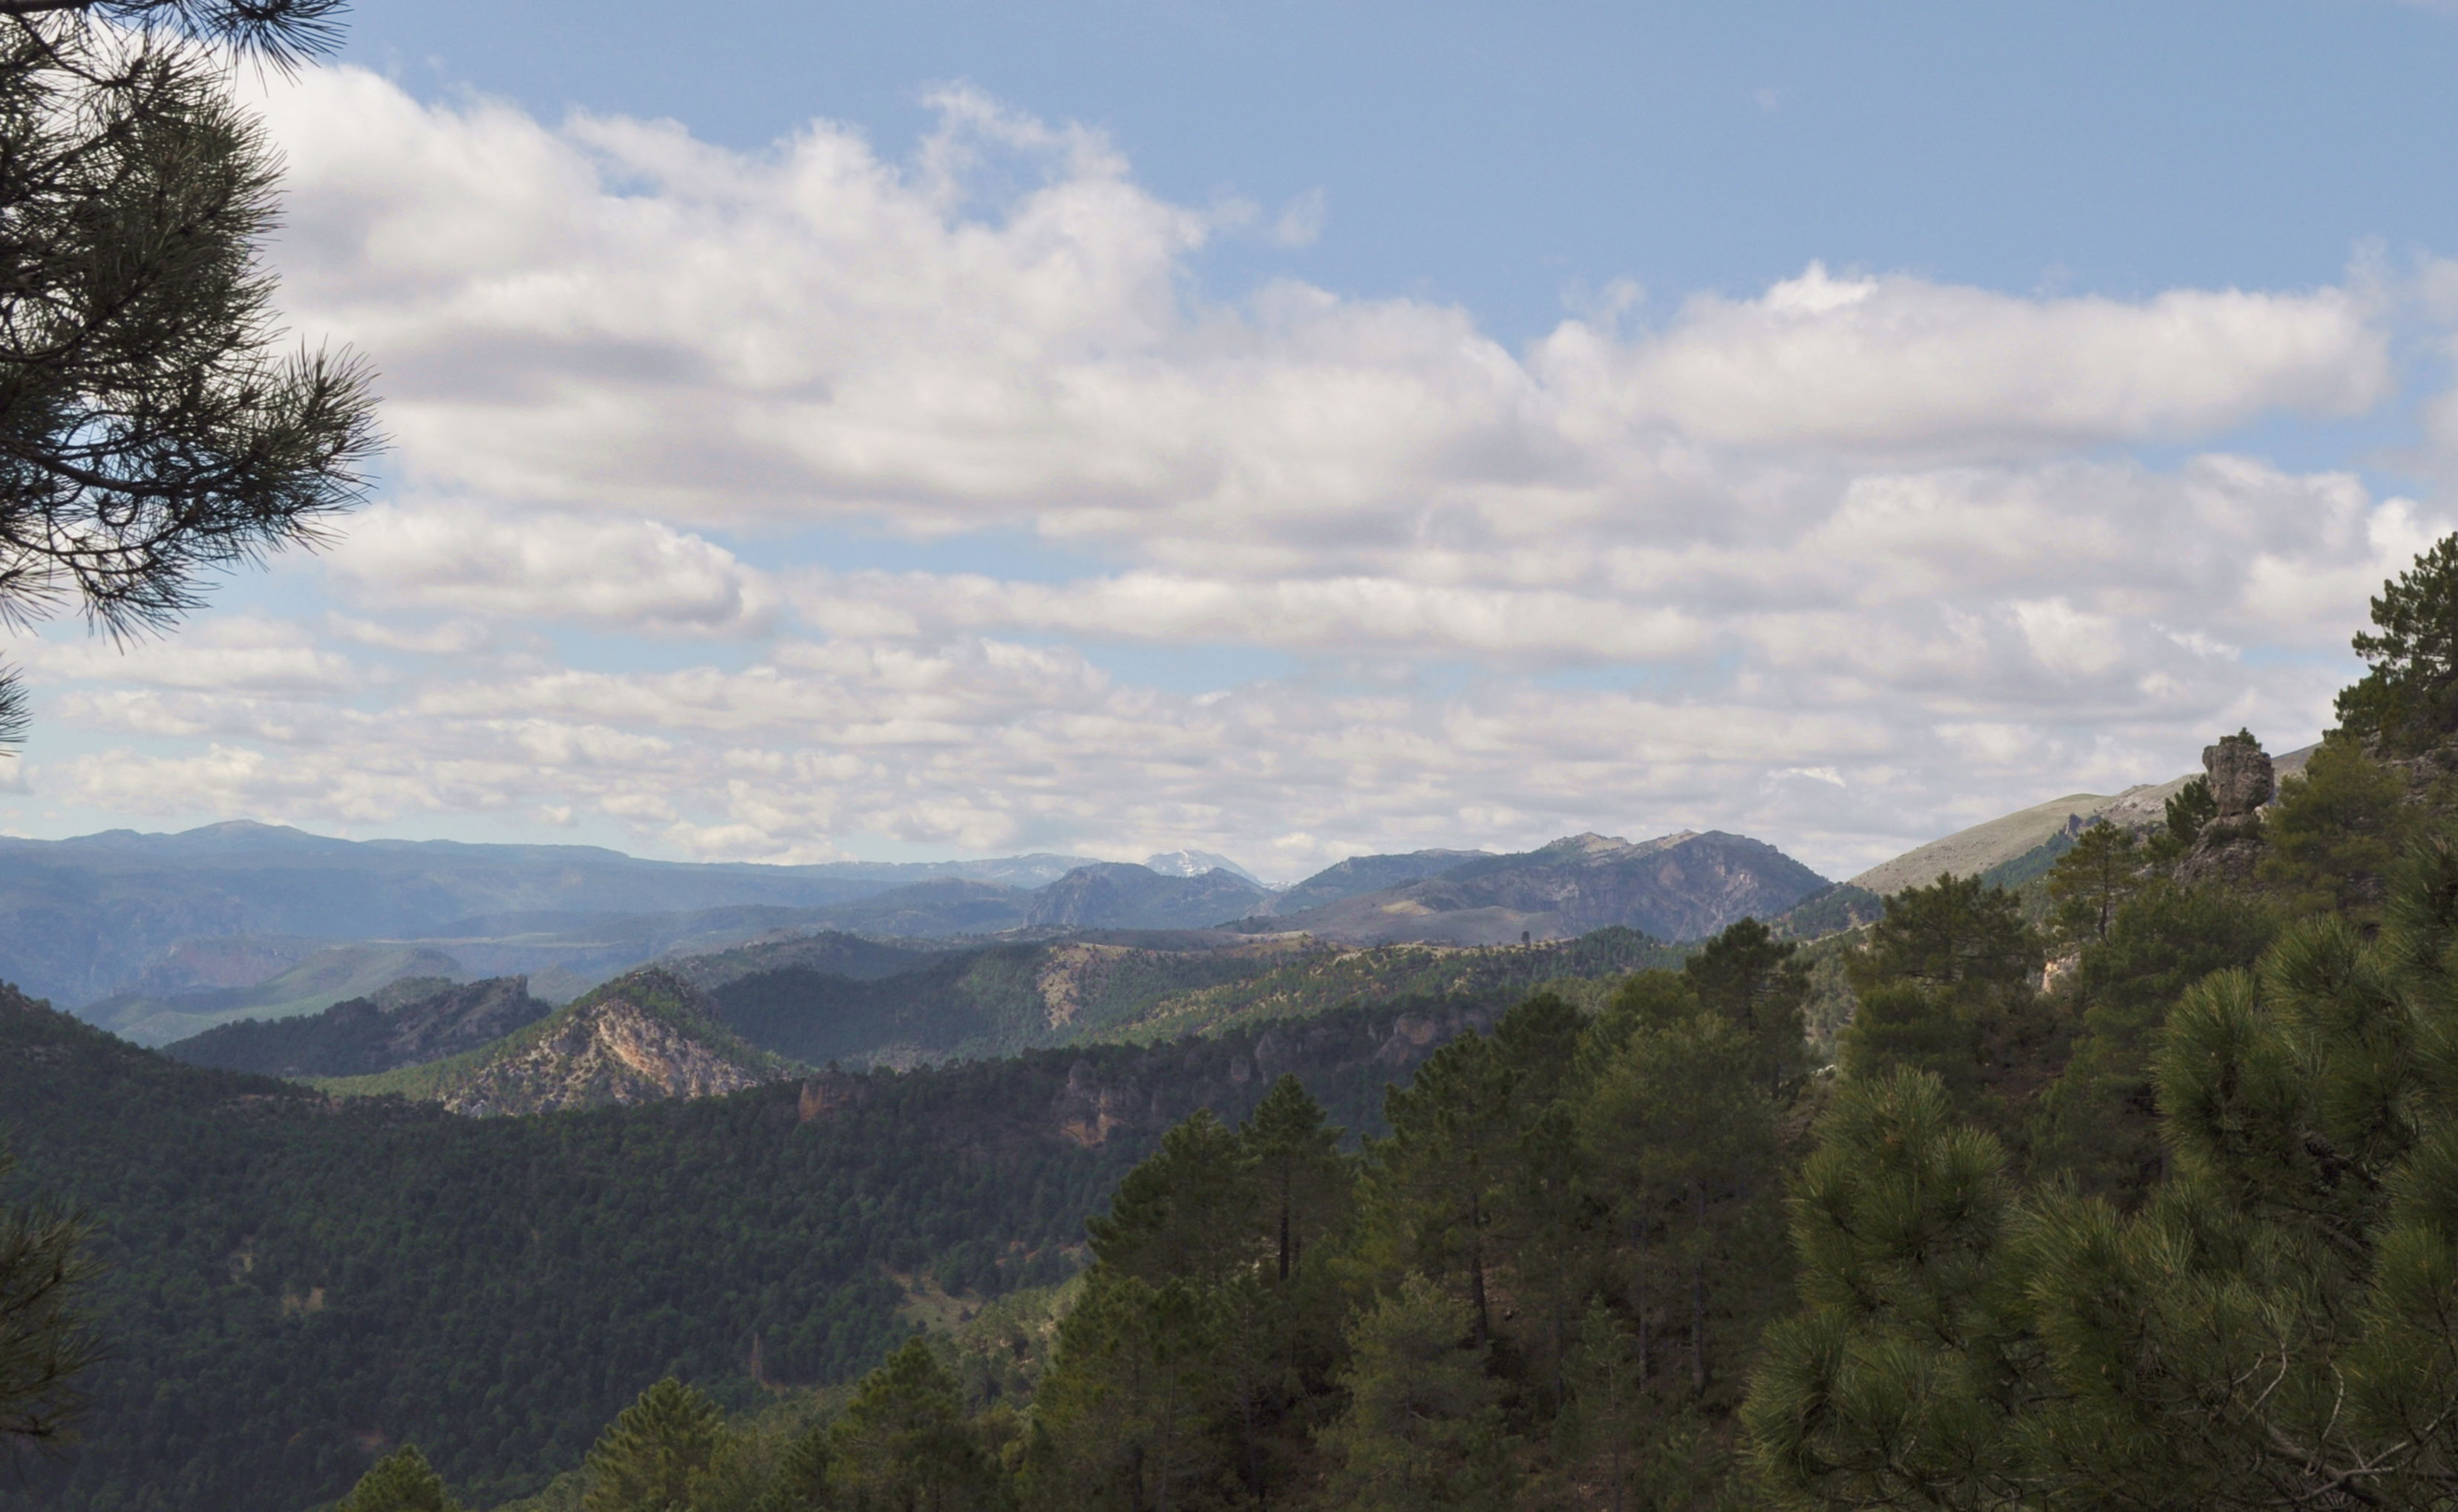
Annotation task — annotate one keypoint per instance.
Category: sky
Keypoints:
(1297, 431)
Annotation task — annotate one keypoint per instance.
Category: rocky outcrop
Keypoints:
(641, 1038)
(2242, 778)
(2240, 775)
(611, 1052)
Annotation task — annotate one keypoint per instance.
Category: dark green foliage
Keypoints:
(1679, 1130)
(1955, 931)
(1188, 1213)
(2410, 698)
(1896, 1386)
(401, 1482)
(655, 1456)
(45, 1265)
(2336, 831)
(2092, 880)
(1829, 911)
(2272, 1328)
(2100, 1119)
(1423, 1428)
(1947, 985)
(1759, 984)
(2188, 809)
(1301, 1185)
(149, 434)
(902, 1443)
(366, 1036)
(1131, 1415)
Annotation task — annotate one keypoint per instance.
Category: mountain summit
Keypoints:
(1682, 886)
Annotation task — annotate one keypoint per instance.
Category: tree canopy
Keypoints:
(150, 431)
(2408, 697)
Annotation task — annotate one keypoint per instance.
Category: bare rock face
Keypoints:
(2241, 781)
(610, 1050)
(2241, 776)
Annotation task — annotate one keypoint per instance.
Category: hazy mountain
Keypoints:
(409, 1022)
(1194, 863)
(946, 905)
(86, 918)
(1682, 886)
(327, 976)
(851, 957)
(641, 1038)
(1123, 895)
(1369, 874)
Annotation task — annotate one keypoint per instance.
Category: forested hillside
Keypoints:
(1127, 986)
(295, 1283)
(407, 1023)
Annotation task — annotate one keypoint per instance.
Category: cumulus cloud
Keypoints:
(1842, 562)
(611, 314)
(639, 575)
(1871, 363)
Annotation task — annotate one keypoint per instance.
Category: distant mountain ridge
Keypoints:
(1683, 886)
(410, 1023)
(82, 918)
(1369, 874)
(237, 921)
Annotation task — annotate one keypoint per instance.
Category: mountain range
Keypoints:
(160, 937)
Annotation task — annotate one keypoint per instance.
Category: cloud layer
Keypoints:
(1842, 562)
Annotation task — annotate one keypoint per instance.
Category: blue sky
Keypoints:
(1293, 431)
(1503, 156)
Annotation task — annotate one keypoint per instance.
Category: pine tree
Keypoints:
(1187, 1212)
(801, 1484)
(1432, 1188)
(1948, 985)
(1680, 1140)
(2336, 832)
(1302, 1183)
(401, 1482)
(1756, 982)
(2273, 1329)
(1424, 1430)
(902, 1445)
(2188, 810)
(1597, 1434)
(45, 1341)
(149, 434)
(2091, 883)
(1129, 1417)
(2410, 698)
(650, 1456)
(1897, 1387)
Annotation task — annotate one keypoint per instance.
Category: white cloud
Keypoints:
(1898, 362)
(638, 576)
(1838, 563)
(613, 316)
